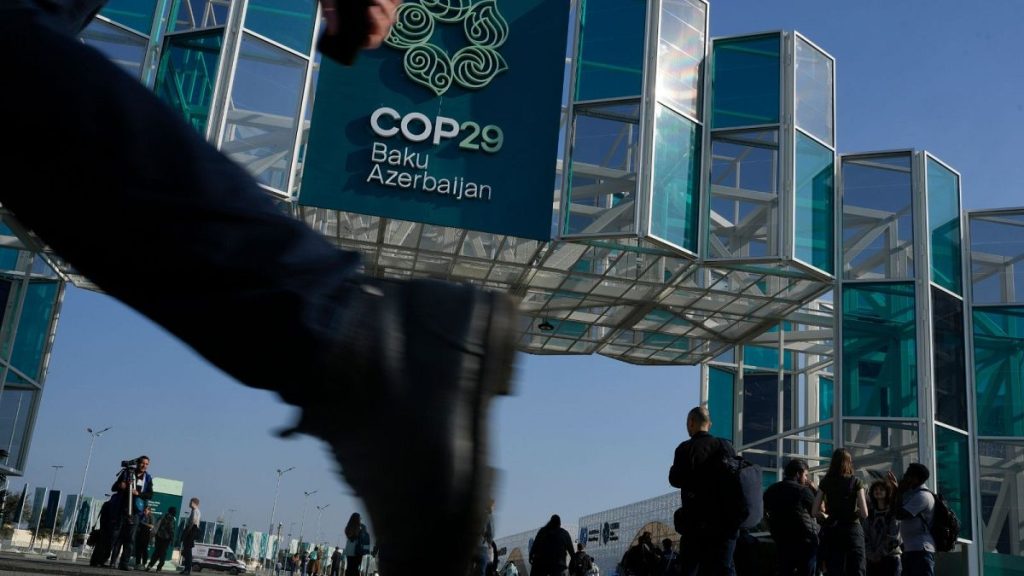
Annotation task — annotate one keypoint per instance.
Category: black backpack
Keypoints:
(739, 492)
(945, 527)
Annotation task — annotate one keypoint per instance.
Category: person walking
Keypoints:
(842, 504)
(314, 561)
(143, 534)
(789, 507)
(551, 547)
(188, 537)
(581, 561)
(916, 514)
(336, 562)
(268, 279)
(357, 544)
(882, 540)
(164, 536)
(706, 542)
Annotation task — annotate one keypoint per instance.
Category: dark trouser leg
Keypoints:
(352, 565)
(186, 557)
(707, 552)
(128, 542)
(121, 187)
(918, 564)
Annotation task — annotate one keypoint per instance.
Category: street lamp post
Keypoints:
(81, 491)
(273, 511)
(319, 514)
(302, 523)
(39, 520)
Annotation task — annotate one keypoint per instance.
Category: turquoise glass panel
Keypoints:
(950, 368)
(814, 77)
(681, 54)
(1003, 564)
(746, 85)
(16, 409)
(944, 226)
(124, 48)
(135, 14)
(878, 217)
(953, 477)
(721, 394)
(34, 327)
(815, 203)
(674, 216)
(999, 370)
(611, 49)
(188, 73)
(289, 22)
(826, 405)
(879, 350)
(999, 505)
(8, 259)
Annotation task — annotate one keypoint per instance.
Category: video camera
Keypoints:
(132, 464)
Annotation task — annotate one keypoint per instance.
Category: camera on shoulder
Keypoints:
(133, 463)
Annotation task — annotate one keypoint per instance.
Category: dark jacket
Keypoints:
(145, 495)
(550, 547)
(694, 477)
(787, 506)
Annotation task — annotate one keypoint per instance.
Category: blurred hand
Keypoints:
(381, 15)
(891, 478)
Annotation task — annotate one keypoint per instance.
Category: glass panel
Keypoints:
(953, 477)
(878, 220)
(195, 14)
(721, 392)
(34, 327)
(602, 185)
(761, 406)
(815, 197)
(289, 22)
(744, 204)
(135, 14)
(944, 226)
(950, 370)
(125, 49)
(263, 111)
(676, 179)
(611, 52)
(814, 83)
(999, 371)
(680, 54)
(1002, 505)
(746, 85)
(881, 446)
(879, 350)
(188, 73)
(997, 259)
(16, 407)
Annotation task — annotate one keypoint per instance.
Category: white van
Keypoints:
(216, 557)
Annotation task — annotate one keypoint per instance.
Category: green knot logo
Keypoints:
(472, 67)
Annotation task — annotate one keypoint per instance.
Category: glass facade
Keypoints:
(879, 350)
(611, 49)
(881, 446)
(944, 226)
(997, 258)
(814, 220)
(878, 217)
(289, 22)
(949, 365)
(681, 55)
(125, 48)
(746, 82)
(815, 79)
(744, 198)
(999, 370)
(676, 179)
(188, 73)
(134, 14)
(1001, 474)
(721, 400)
(953, 474)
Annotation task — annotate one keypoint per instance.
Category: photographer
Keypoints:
(131, 493)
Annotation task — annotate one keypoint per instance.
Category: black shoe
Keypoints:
(125, 567)
(419, 363)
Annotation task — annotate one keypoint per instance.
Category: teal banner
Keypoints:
(454, 121)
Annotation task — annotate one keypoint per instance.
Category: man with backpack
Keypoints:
(708, 537)
(788, 505)
(581, 562)
(926, 522)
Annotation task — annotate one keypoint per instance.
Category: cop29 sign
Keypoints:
(454, 121)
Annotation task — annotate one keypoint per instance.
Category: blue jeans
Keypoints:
(919, 563)
(707, 551)
(128, 193)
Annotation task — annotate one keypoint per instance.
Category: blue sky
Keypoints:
(583, 434)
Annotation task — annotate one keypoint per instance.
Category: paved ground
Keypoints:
(14, 564)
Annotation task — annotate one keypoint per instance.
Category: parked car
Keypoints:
(216, 557)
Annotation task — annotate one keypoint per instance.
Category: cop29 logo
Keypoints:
(472, 67)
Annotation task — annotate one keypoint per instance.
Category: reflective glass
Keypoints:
(881, 446)
(124, 48)
(34, 327)
(602, 183)
(879, 350)
(681, 53)
(746, 84)
(997, 258)
(826, 408)
(878, 220)
(194, 14)
(953, 476)
(815, 198)
(761, 405)
(262, 117)
(289, 22)
(744, 217)
(676, 179)
(999, 370)
(721, 394)
(814, 84)
(16, 407)
(944, 226)
(611, 52)
(188, 73)
(1001, 487)
(950, 368)
(135, 14)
